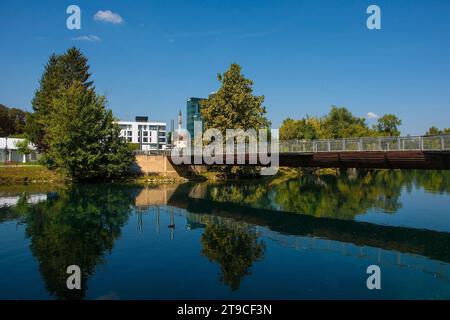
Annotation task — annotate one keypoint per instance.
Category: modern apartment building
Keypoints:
(192, 114)
(148, 135)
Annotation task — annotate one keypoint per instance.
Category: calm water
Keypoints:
(310, 237)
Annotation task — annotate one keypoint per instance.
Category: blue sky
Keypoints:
(304, 56)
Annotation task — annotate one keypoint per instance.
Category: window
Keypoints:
(145, 133)
(145, 140)
(129, 133)
(129, 139)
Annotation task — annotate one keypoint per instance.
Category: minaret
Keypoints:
(180, 121)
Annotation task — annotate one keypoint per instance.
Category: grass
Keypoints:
(28, 175)
(20, 164)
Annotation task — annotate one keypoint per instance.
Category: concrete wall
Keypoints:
(155, 164)
(160, 165)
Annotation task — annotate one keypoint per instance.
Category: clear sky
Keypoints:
(304, 56)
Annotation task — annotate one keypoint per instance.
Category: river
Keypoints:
(311, 237)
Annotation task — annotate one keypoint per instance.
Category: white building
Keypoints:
(148, 135)
(9, 151)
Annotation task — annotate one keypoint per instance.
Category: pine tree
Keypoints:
(60, 72)
(83, 138)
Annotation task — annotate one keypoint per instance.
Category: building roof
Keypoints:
(10, 143)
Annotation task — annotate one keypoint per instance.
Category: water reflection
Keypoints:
(234, 248)
(80, 225)
(340, 196)
(75, 226)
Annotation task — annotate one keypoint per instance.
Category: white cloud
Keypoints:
(108, 16)
(372, 115)
(90, 38)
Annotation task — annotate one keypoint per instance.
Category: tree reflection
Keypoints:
(77, 227)
(235, 249)
(347, 195)
(343, 195)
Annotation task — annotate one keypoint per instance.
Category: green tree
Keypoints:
(234, 106)
(298, 129)
(23, 147)
(433, 131)
(60, 72)
(340, 123)
(12, 121)
(5, 127)
(83, 138)
(388, 125)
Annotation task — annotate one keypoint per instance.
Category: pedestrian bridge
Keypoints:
(410, 152)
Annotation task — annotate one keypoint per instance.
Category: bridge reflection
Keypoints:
(312, 232)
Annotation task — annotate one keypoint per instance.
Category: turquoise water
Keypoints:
(304, 238)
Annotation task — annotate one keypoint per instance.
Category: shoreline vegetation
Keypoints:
(40, 175)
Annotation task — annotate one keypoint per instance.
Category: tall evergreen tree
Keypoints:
(83, 138)
(60, 72)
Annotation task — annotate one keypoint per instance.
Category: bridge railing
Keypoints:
(409, 143)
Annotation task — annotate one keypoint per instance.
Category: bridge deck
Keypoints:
(432, 160)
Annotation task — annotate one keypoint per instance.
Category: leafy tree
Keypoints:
(83, 138)
(60, 72)
(299, 129)
(388, 125)
(23, 147)
(340, 123)
(12, 121)
(435, 131)
(234, 106)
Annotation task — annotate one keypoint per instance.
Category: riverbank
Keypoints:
(30, 174)
(40, 175)
(37, 174)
